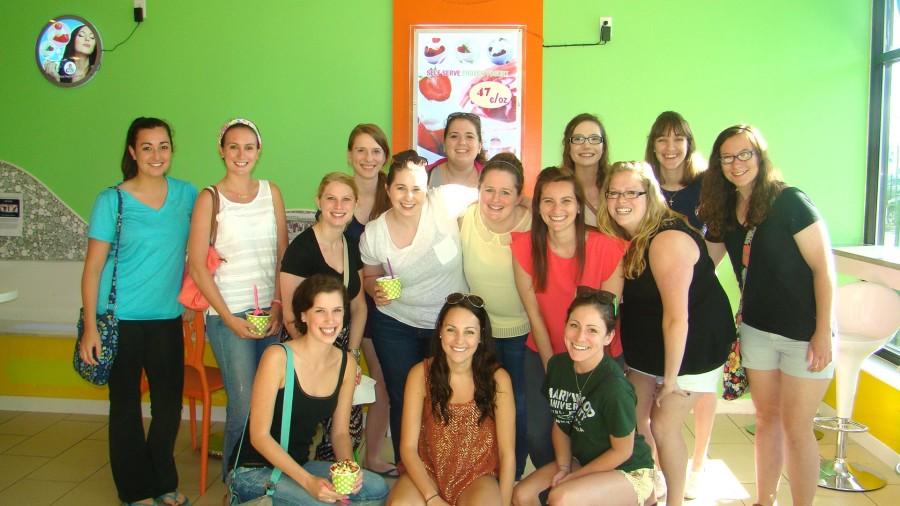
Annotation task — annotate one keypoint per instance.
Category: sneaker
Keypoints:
(659, 484)
(693, 484)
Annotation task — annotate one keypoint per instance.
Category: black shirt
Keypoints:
(779, 296)
(304, 258)
(685, 201)
(710, 322)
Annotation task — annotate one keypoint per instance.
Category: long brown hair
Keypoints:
(567, 162)
(671, 121)
(539, 240)
(484, 364)
(718, 196)
(382, 202)
(657, 214)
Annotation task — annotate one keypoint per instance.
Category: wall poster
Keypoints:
(471, 69)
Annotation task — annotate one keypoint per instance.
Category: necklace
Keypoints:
(670, 195)
(579, 386)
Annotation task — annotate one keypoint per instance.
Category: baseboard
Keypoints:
(84, 407)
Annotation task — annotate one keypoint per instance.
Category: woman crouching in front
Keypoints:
(323, 387)
(459, 429)
(600, 457)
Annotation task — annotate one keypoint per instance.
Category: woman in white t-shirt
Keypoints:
(418, 241)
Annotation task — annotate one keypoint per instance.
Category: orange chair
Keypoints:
(199, 382)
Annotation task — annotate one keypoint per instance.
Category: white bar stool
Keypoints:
(868, 315)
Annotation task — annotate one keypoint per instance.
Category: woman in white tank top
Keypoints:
(251, 237)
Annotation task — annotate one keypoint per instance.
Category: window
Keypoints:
(883, 187)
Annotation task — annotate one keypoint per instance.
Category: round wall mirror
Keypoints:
(68, 51)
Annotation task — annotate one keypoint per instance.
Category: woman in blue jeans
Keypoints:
(323, 384)
(485, 233)
(417, 239)
(251, 237)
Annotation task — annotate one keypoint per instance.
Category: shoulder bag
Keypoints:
(190, 295)
(734, 381)
(107, 323)
(286, 407)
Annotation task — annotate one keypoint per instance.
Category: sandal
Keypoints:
(141, 503)
(175, 498)
(393, 472)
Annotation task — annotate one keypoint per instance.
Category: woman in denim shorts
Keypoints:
(787, 302)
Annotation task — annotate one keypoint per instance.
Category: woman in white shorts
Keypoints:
(786, 331)
(676, 319)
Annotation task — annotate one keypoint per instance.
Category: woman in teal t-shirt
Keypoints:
(599, 456)
(156, 213)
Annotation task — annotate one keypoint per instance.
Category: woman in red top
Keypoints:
(551, 261)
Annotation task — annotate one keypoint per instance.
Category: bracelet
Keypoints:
(430, 498)
(276, 301)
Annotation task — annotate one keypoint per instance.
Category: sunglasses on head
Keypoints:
(599, 296)
(471, 298)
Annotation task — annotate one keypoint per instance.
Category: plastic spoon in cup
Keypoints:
(256, 311)
(390, 269)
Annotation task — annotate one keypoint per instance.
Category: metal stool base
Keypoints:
(838, 474)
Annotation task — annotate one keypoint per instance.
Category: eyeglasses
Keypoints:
(742, 156)
(600, 296)
(471, 298)
(628, 194)
(580, 139)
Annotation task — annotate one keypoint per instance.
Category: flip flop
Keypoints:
(164, 499)
(390, 473)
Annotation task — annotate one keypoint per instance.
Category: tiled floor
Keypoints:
(62, 459)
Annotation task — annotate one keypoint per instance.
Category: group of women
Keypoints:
(471, 379)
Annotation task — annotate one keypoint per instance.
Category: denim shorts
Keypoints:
(765, 351)
(248, 483)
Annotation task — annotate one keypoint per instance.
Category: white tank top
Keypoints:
(246, 239)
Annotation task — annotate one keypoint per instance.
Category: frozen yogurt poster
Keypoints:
(467, 69)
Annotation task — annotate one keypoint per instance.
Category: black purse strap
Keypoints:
(745, 264)
(111, 302)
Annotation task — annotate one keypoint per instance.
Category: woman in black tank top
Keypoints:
(323, 387)
(676, 319)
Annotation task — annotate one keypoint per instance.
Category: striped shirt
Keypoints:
(246, 239)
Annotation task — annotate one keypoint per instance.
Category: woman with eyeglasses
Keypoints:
(458, 421)
(558, 255)
(671, 152)
(485, 232)
(464, 152)
(778, 245)
(416, 240)
(676, 319)
(599, 456)
(586, 154)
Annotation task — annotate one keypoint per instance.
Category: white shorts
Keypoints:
(704, 382)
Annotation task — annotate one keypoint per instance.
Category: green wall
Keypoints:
(308, 71)
(305, 71)
(798, 70)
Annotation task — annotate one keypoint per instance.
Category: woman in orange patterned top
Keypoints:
(458, 437)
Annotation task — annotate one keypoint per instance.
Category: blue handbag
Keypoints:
(107, 324)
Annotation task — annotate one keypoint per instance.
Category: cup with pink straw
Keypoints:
(258, 317)
(390, 284)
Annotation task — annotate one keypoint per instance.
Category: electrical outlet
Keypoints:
(605, 29)
(140, 10)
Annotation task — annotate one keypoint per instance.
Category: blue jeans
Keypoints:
(237, 359)
(511, 353)
(250, 482)
(399, 347)
(540, 421)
